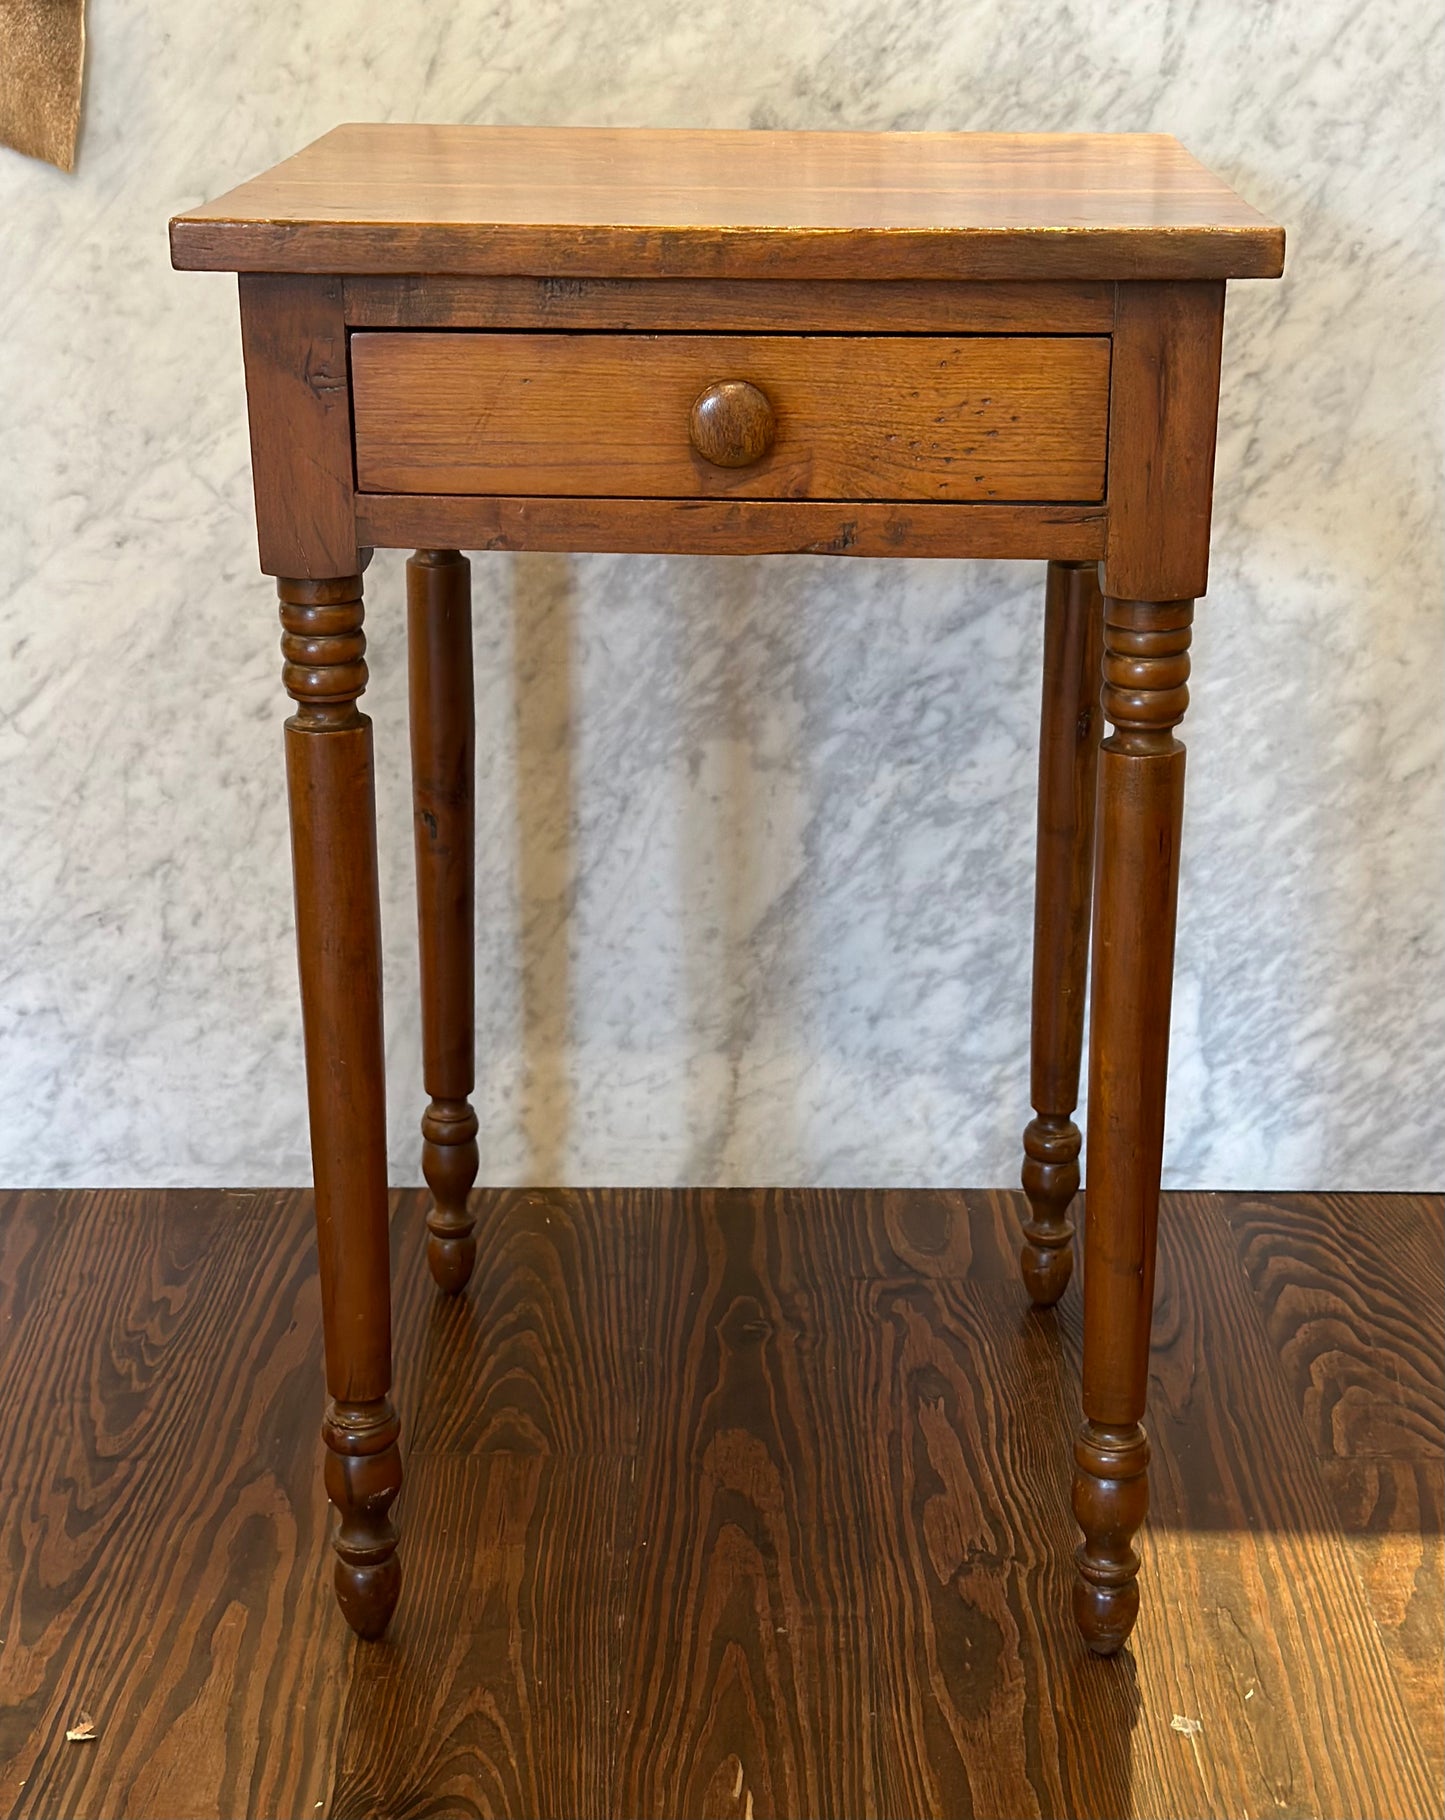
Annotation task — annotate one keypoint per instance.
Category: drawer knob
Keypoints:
(732, 424)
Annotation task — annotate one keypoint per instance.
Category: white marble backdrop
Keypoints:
(756, 835)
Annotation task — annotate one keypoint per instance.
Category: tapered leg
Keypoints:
(443, 762)
(1069, 732)
(1141, 798)
(338, 932)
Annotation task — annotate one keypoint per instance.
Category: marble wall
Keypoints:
(756, 836)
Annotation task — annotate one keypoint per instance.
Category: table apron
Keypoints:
(752, 527)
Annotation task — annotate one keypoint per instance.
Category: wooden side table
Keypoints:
(725, 343)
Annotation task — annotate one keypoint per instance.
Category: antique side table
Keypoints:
(728, 342)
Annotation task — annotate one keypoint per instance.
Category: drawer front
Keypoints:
(914, 417)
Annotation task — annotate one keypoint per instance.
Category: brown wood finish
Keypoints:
(730, 527)
(1140, 807)
(443, 766)
(294, 342)
(1352, 1291)
(732, 424)
(887, 345)
(338, 939)
(492, 1693)
(739, 1612)
(1248, 1607)
(616, 202)
(1163, 407)
(857, 417)
(854, 1356)
(161, 1512)
(1356, 1313)
(766, 305)
(1069, 732)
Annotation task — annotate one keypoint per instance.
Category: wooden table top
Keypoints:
(615, 202)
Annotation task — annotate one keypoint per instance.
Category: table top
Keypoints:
(614, 202)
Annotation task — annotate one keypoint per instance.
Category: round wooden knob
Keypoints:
(732, 424)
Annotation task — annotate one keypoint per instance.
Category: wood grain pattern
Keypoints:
(730, 527)
(165, 1526)
(1352, 1292)
(1355, 1310)
(765, 305)
(543, 1357)
(1258, 1627)
(747, 1683)
(1391, 1513)
(732, 424)
(1163, 409)
(293, 338)
(622, 202)
(969, 1572)
(497, 1690)
(718, 1503)
(857, 417)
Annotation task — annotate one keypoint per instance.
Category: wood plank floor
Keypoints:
(719, 1503)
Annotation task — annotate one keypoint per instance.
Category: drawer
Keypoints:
(902, 417)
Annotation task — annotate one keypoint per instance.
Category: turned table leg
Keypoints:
(338, 932)
(1141, 798)
(443, 760)
(1069, 731)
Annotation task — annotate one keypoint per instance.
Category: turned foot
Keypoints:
(1111, 1501)
(1141, 798)
(1069, 729)
(363, 1476)
(449, 1161)
(443, 757)
(1051, 1180)
(329, 770)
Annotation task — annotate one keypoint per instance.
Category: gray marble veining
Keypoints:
(755, 842)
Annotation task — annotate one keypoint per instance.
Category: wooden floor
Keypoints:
(719, 1503)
